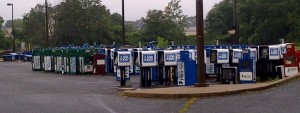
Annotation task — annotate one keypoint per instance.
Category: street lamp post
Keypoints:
(12, 27)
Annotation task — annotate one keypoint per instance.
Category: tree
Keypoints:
(5, 43)
(133, 35)
(34, 26)
(219, 21)
(161, 43)
(18, 27)
(259, 22)
(168, 24)
(85, 21)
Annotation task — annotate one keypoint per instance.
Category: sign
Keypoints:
(252, 55)
(210, 69)
(238, 55)
(178, 56)
(127, 76)
(246, 76)
(222, 56)
(181, 73)
(131, 69)
(72, 64)
(100, 62)
(190, 55)
(170, 57)
(124, 58)
(148, 58)
(47, 60)
(88, 68)
(283, 50)
(137, 69)
(58, 63)
(36, 63)
(290, 71)
(274, 52)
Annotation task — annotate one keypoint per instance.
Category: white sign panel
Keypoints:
(72, 64)
(100, 62)
(58, 63)
(124, 58)
(290, 71)
(210, 69)
(222, 56)
(253, 54)
(126, 73)
(181, 74)
(237, 54)
(274, 52)
(47, 63)
(149, 58)
(170, 58)
(36, 62)
(88, 68)
(246, 76)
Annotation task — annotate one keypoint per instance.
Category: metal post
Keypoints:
(47, 31)
(235, 38)
(123, 24)
(12, 27)
(200, 45)
(122, 75)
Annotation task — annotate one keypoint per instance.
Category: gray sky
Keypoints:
(134, 9)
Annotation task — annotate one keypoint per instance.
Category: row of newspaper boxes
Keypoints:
(227, 64)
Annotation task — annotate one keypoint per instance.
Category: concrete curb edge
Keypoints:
(201, 95)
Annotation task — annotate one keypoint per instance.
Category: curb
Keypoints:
(213, 94)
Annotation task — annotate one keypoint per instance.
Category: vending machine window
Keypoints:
(213, 56)
(136, 58)
(245, 65)
(264, 53)
(290, 59)
(161, 58)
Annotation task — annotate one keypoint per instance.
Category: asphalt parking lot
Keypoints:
(24, 90)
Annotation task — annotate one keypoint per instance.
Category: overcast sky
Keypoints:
(134, 9)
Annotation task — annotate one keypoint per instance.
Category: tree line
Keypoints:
(258, 21)
(76, 22)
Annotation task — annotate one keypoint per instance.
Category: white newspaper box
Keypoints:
(123, 59)
(170, 58)
(236, 55)
(274, 52)
(148, 58)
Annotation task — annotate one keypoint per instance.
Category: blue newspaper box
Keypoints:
(186, 70)
(247, 68)
(7, 57)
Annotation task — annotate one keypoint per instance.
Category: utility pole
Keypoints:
(47, 29)
(123, 24)
(235, 37)
(200, 45)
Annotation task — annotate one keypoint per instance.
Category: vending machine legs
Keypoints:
(123, 79)
(161, 75)
(145, 76)
(167, 75)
